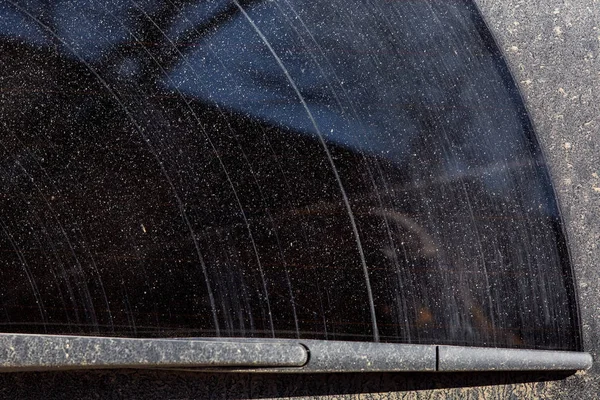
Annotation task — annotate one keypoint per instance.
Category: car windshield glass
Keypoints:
(341, 170)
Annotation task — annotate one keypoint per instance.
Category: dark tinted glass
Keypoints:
(342, 170)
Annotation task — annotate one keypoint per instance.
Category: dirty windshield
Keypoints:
(338, 170)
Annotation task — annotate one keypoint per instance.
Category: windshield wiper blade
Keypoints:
(24, 352)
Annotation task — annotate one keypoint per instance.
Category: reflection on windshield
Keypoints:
(285, 168)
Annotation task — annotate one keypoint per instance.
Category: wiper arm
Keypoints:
(22, 352)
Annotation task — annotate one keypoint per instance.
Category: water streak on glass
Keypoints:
(341, 170)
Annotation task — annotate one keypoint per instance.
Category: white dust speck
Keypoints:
(558, 31)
